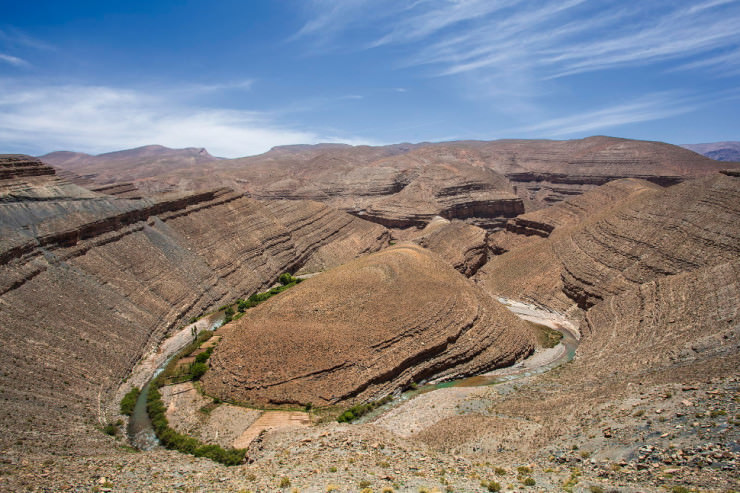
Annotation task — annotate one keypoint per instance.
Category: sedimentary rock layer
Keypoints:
(462, 245)
(364, 330)
(650, 234)
(89, 282)
(572, 212)
(407, 185)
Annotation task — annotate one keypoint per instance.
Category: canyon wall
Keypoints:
(90, 282)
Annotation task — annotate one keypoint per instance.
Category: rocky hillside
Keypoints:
(364, 330)
(131, 164)
(405, 185)
(89, 282)
(646, 234)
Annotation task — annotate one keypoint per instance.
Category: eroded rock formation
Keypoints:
(89, 282)
(364, 330)
(406, 185)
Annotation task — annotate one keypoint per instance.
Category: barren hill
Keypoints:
(647, 235)
(364, 330)
(132, 164)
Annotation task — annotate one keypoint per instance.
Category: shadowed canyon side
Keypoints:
(365, 330)
(90, 282)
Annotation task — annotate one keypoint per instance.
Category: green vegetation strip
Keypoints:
(286, 280)
(178, 373)
(129, 401)
(546, 337)
(183, 443)
(157, 410)
(359, 410)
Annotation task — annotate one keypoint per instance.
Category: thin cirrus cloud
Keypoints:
(98, 118)
(647, 108)
(13, 60)
(551, 38)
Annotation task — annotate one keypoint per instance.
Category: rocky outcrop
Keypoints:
(90, 282)
(364, 330)
(479, 196)
(569, 213)
(462, 245)
(19, 166)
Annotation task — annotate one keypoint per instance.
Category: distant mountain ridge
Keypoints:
(130, 164)
(719, 151)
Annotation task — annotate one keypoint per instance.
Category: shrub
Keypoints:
(111, 429)
(493, 486)
(523, 470)
(286, 278)
(359, 410)
(284, 482)
(129, 401)
(500, 471)
(198, 370)
(529, 482)
(596, 489)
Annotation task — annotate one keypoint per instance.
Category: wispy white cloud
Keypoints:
(15, 37)
(548, 38)
(99, 119)
(651, 107)
(13, 60)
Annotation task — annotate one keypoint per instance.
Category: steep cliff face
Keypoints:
(479, 196)
(462, 245)
(364, 330)
(89, 282)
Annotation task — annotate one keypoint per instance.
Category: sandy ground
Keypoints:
(272, 420)
(192, 413)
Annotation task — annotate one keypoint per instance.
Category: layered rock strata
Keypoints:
(90, 282)
(364, 330)
(462, 245)
(649, 234)
(407, 185)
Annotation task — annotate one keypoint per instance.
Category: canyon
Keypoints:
(633, 244)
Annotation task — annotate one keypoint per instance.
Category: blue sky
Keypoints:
(239, 77)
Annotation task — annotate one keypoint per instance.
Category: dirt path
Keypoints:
(272, 420)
